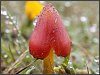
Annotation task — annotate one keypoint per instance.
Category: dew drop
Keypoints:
(42, 53)
(96, 60)
(53, 31)
(7, 17)
(12, 17)
(14, 21)
(50, 5)
(5, 56)
(54, 40)
(83, 19)
(53, 8)
(44, 8)
(34, 22)
(67, 4)
(70, 63)
(7, 31)
(10, 23)
(19, 52)
(93, 28)
(55, 20)
(33, 67)
(42, 13)
(27, 56)
(3, 12)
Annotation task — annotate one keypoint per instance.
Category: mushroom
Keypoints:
(49, 36)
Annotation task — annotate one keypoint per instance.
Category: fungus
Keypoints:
(49, 36)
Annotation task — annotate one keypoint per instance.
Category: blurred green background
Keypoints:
(80, 18)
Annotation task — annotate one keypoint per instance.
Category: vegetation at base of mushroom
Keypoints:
(79, 19)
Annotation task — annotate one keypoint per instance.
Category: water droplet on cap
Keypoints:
(54, 40)
(42, 53)
(53, 31)
(55, 20)
(3, 12)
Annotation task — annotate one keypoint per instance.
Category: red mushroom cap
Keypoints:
(49, 33)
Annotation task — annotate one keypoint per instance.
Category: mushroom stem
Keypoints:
(48, 63)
